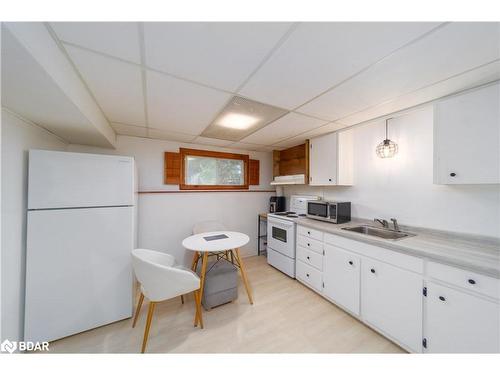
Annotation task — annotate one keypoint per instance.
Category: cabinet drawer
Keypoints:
(395, 258)
(310, 244)
(486, 285)
(311, 233)
(309, 275)
(310, 257)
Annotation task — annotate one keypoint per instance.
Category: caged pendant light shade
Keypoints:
(387, 148)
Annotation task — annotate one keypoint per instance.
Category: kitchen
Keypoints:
(365, 198)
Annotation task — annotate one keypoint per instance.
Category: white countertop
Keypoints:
(474, 253)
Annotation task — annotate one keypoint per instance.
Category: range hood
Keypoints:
(295, 179)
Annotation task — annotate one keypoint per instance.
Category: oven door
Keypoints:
(281, 236)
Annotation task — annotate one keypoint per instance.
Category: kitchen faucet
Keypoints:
(396, 225)
(383, 222)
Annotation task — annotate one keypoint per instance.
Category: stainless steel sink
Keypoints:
(386, 234)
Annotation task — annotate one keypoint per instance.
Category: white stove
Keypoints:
(281, 234)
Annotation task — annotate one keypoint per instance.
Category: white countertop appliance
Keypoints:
(81, 231)
(281, 234)
(334, 212)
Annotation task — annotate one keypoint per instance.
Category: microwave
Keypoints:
(333, 212)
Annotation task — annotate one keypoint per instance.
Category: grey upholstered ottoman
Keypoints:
(221, 283)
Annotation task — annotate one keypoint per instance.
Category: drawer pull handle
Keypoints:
(442, 298)
(307, 274)
(372, 270)
(453, 174)
(350, 262)
(472, 281)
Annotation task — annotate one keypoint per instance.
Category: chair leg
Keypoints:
(138, 309)
(197, 317)
(182, 299)
(148, 325)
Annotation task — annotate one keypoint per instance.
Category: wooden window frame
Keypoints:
(212, 154)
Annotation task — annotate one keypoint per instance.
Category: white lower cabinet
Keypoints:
(308, 275)
(458, 322)
(341, 277)
(385, 289)
(391, 300)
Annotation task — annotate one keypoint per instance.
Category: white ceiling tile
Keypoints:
(116, 85)
(177, 105)
(451, 50)
(328, 128)
(212, 141)
(287, 126)
(220, 54)
(483, 75)
(317, 56)
(245, 146)
(119, 39)
(170, 135)
(136, 131)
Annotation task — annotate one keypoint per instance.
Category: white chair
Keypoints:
(161, 279)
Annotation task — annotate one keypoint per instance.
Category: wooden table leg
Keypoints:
(243, 275)
(202, 285)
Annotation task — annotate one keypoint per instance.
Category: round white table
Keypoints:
(223, 244)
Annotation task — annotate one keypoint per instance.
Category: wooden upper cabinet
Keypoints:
(331, 159)
(466, 137)
(292, 161)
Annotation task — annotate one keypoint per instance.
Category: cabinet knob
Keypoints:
(471, 281)
(453, 174)
(307, 274)
(308, 232)
(308, 244)
(372, 270)
(308, 258)
(442, 298)
(350, 262)
(330, 179)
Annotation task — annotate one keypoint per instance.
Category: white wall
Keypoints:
(165, 219)
(402, 187)
(17, 138)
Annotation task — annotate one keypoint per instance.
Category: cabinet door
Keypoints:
(391, 300)
(323, 160)
(341, 271)
(457, 322)
(466, 138)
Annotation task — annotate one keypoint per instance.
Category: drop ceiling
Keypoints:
(171, 80)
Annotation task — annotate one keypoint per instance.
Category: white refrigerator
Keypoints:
(80, 233)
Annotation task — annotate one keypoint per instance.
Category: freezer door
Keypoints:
(67, 179)
(78, 270)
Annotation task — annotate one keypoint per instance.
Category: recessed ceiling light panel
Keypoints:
(240, 118)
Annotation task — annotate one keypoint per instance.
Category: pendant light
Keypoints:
(387, 148)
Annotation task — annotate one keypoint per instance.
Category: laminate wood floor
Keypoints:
(286, 317)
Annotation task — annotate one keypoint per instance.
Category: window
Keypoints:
(209, 170)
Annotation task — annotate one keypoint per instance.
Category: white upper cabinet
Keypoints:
(331, 159)
(466, 138)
